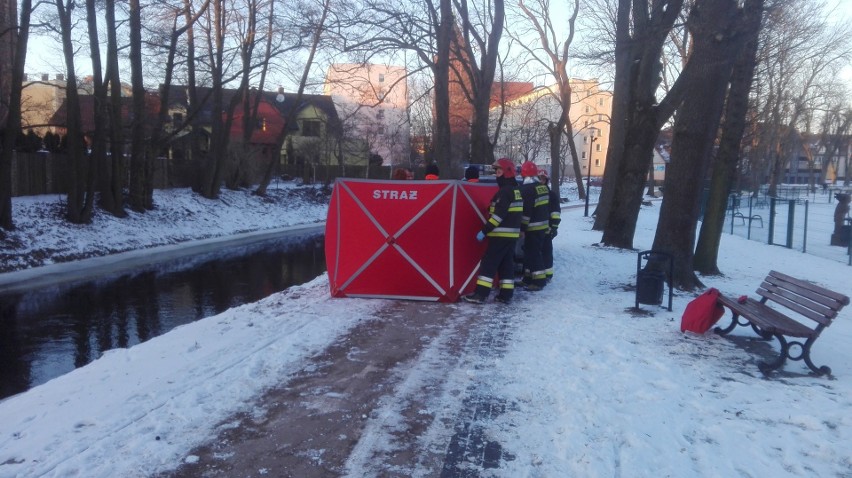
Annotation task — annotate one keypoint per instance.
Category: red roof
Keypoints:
(508, 91)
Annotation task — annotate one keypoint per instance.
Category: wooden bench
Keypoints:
(814, 306)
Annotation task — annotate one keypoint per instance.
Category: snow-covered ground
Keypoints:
(590, 386)
(42, 237)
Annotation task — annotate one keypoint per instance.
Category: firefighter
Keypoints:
(555, 218)
(432, 172)
(534, 224)
(502, 228)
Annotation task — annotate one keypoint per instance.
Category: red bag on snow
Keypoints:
(702, 312)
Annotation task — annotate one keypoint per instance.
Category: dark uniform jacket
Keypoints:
(536, 197)
(555, 211)
(505, 212)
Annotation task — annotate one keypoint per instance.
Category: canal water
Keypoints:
(47, 333)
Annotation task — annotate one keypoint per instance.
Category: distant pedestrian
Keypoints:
(502, 228)
(432, 172)
(471, 174)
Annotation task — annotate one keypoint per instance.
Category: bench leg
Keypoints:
(765, 368)
(805, 355)
(735, 321)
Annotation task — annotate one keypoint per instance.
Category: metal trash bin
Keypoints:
(650, 282)
(650, 286)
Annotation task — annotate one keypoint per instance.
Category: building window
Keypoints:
(598, 147)
(585, 140)
(600, 101)
(587, 123)
(597, 163)
(381, 77)
(588, 109)
(600, 117)
(380, 115)
(311, 128)
(583, 155)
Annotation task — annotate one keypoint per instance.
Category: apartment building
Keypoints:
(372, 104)
(526, 117)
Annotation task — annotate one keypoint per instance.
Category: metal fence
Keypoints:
(796, 218)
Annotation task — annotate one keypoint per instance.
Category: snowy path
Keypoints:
(402, 394)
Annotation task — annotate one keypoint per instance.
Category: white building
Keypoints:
(372, 102)
(526, 118)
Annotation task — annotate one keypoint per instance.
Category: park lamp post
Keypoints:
(589, 172)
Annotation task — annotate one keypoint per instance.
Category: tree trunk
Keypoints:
(219, 136)
(114, 171)
(630, 182)
(481, 147)
(13, 117)
(716, 34)
(651, 179)
(644, 117)
(575, 160)
(98, 156)
(441, 70)
(621, 94)
(293, 109)
(138, 158)
(195, 153)
(76, 211)
(727, 157)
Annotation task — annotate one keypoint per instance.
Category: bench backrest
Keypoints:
(808, 299)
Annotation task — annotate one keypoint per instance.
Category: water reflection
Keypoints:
(44, 334)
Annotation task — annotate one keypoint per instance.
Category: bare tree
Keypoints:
(728, 153)
(317, 20)
(552, 54)
(800, 56)
(112, 172)
(98, 155)
(638, 48)
(80, 191)
(477, 52)
(424, 28)
(155, 145)
(11, 128)
(139, 164)
(719, 29)
(835, 142)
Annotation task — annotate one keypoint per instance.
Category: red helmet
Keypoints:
(529, 169)
(507, 165)
(543, 173)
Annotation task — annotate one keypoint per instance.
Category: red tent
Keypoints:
(405, 239)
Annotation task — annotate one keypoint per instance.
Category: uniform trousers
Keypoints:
(533, 261)
(498, 262)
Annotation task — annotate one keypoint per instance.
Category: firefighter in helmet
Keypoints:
(502, 228)
(555, 218)
(534, 225)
